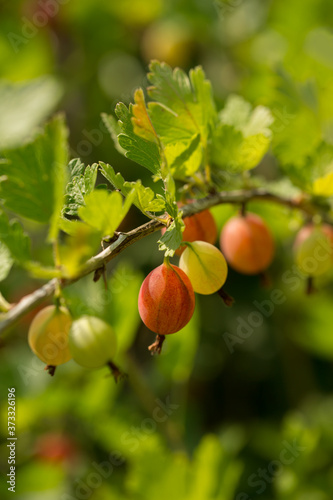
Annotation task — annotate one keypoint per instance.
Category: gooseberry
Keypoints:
(247, 243)
(92, 342)
(205, 265)
(313, 249)
(55, 447)
(166, 299)
(48, 336)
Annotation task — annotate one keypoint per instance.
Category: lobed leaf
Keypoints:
(76, 167)
(6, 261)
(189, 100)
(172, 238)
(33, 176)
(144, 197)
(313, 173)
(82, 183)
(242, 136)
(185, 158)
(183, 115)
(104, 211)
(16, 240)
(114, 128)
(142, 125)
(136, 148)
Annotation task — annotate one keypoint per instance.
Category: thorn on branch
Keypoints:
(111, 239)
(98, 273)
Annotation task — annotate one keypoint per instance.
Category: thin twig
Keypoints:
(123, 240)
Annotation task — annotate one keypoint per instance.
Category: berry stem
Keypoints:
(156, 347)
(310, 288)
(116, 372)
(265, 280)
(227, 299)
(50, 369)
(166, 261)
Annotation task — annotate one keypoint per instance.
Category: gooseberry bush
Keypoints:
(198, 157)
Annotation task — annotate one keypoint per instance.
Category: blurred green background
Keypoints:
(239, 405)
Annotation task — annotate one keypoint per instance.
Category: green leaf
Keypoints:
(136, 148)
(297, 139)
(82, 183)
(185, 158)
(117, 180)
(6, 261)
(184, 105)
(144, 197)
(181, 120)
(34, 175)
(227, 143)
(39, 271)
(104, 211)
(82, 243)
(76, 167)
(15, 239)
(70, 226)
(314, 173)
(23, 106)
(238, 114)
(170, 126)
(214, 473)
(114, 128)
(122, 311)
(17, 242)
(313, 335)
(242, 136)
(172, 237)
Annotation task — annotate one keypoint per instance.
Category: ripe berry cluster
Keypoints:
(166, 298)
(167, 295)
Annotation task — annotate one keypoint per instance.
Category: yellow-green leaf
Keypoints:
(142, 125)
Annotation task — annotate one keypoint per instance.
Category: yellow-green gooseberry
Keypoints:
(205, 265)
